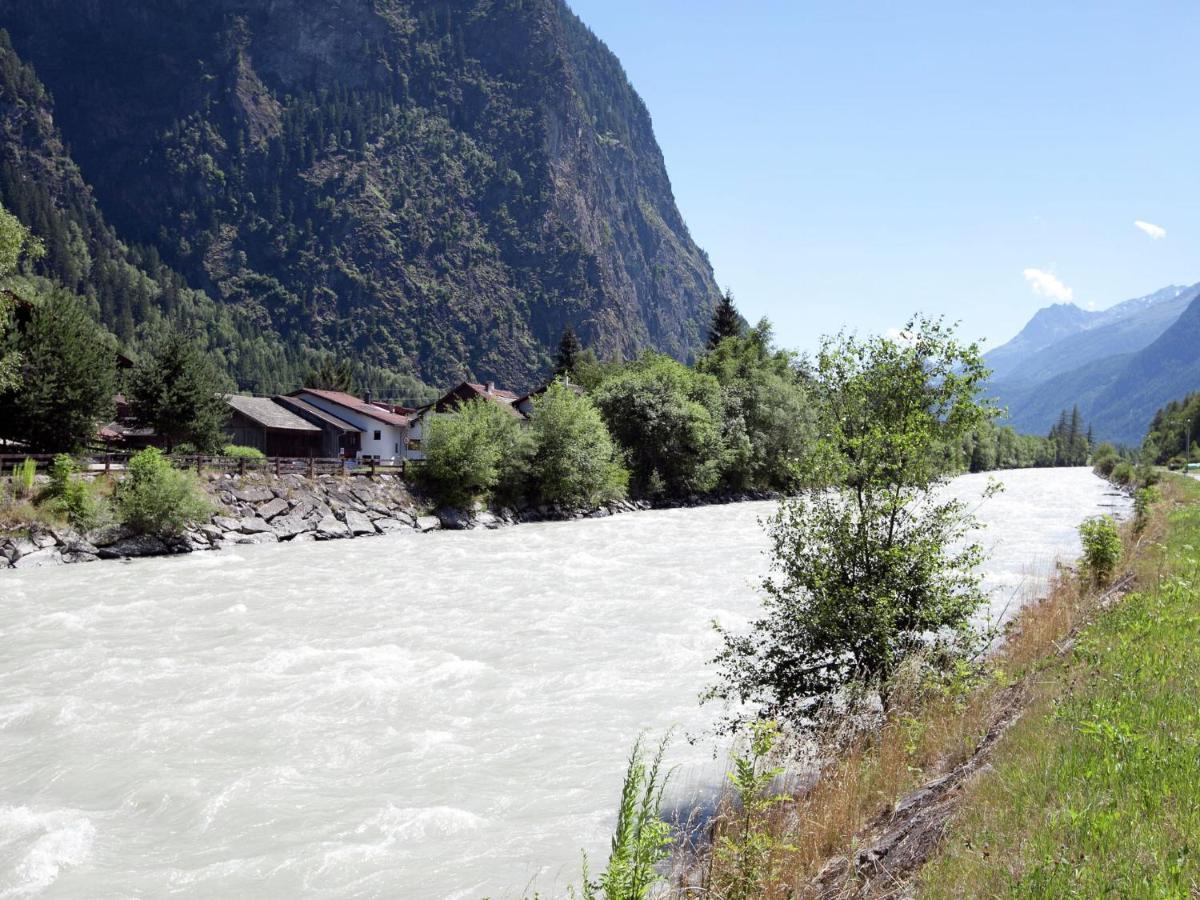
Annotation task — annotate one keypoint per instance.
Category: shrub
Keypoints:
(184, 449)
(1105, 459)
(480, 450)
(574, 460)
(236, 451)
(156, 498)
(73, 498)
(1122, 473)
(1142, 501)
(1101, 548)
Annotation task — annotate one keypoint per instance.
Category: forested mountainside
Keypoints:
(437, 188)
(1117, 366)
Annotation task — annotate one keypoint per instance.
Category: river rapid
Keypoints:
(415, 716)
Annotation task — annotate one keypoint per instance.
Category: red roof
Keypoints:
(349, 401)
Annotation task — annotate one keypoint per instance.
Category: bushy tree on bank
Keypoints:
(768, 420)
(156, 498)
(868, 561)
(15, 242)
(480, 451)
(667, 417)
(177, 391)
(574, 462)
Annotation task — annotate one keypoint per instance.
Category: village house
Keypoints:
(383, 434)
(264, 424)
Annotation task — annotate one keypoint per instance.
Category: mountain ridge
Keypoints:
(439, 188)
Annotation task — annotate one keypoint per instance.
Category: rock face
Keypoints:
(448, 183)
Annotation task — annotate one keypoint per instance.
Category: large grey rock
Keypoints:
(273, 508)
(253, 525)
(453, 519)
(303, 537)
(329, 528)
(13, 549)
(43, 539)
(70, 558)
(289, 526)
(428, 523)
(359, 523)
(109, 534)
(138, 545)
(391, 526)
(253, 494)
(212, 532)
(226, 523)
(258, 537)
(72, 542)
(488, 519)
(47, 556)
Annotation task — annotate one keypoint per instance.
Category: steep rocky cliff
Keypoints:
(437, 187)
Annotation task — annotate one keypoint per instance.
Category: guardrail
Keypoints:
(278, 465)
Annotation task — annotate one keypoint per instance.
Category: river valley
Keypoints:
(416, 716)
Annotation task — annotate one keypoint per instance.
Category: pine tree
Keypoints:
(569, 351)
(331, 376)
(726, 322)
(177, 391)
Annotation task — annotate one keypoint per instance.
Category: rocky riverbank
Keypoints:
(257, 509)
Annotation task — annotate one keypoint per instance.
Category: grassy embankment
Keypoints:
(1095, 790)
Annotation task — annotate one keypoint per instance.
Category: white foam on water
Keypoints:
(420, 717)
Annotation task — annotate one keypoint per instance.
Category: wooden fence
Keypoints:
(310, 467)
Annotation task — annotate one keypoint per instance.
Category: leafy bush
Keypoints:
(1143, 500)
(73, 497)
(1122, 473)
(156, 498)
(479, 451)
(641, 839)
(574, 460)
(184, 449)
(1101, 548)
(236, 451)
(1105, 459)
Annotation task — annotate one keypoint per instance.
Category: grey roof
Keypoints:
(312, 412)
(269, 414)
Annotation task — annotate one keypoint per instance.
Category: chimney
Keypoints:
(491, 387)
(367, 396)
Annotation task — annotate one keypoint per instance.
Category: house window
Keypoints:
(378, 435)
(397, 450)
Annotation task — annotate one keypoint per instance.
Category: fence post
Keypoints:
(343, 467)
(107, 464)
(277, 467)
(198, 458)
(241, 466)
(310, 467)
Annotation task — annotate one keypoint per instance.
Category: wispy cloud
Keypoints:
(1155, 231)
(1046, 285)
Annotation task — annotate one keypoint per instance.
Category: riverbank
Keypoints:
(1030, 781)
(267, 509)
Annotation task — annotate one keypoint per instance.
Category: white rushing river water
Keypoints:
(408, 716)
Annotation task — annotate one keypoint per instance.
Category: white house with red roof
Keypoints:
(384, 433)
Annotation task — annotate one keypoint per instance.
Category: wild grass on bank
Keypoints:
(1096, 791)
(936, 720)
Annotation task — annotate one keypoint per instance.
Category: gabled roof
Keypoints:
(266, 412)
(576, 389)
(468, 390)
(353, 403)
(310, 412)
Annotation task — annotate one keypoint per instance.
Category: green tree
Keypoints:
(479, 451)
(178, 392)
(869, 562)
(569, 351)
(726, 322)
(67, 377)
(15, 242)
(574, 462)
(330, 375)
(156, 498)
(667, 418)
(768, 419)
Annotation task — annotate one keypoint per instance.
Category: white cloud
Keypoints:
(1155, 231)
(1046, 285)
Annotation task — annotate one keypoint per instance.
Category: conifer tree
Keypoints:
(726, 322)
(331, 376)
(176, 390)
(569, 352)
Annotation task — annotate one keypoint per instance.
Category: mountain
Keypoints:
(1118, 365)
(436, 188)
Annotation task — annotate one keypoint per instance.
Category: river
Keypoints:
(412, 716)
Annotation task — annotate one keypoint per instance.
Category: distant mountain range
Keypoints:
(1118, 365)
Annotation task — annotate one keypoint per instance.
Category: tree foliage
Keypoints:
(178, 392)
(574, 462)
(667, 417)
(67, 377)
(479, 451)
(869, 562)
(331, 375)
(569, 351)
(726, 322)
(156, 498)
(15, 242)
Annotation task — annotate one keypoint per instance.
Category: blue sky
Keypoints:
(848, 163)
